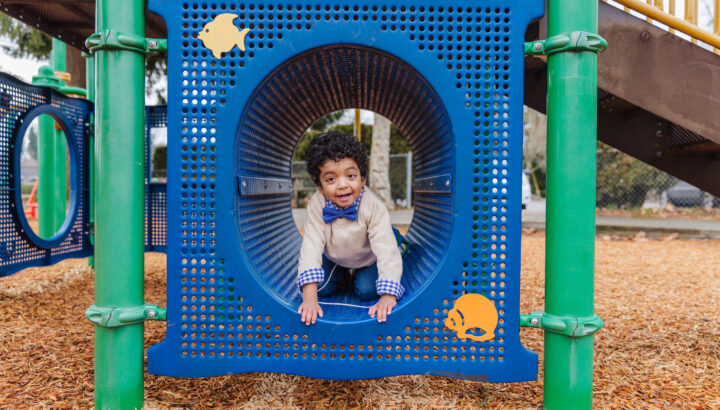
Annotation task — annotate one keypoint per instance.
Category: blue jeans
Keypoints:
(361, 281)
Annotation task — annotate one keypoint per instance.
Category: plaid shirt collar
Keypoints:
(356, 204)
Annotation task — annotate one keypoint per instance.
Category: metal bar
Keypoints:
(58, 60)
(408, 180)
(671, 11)
(46, 169)
(570, 232)
(674, 22)
(90, 86)
(119, 211)
(691, 14)
(358, 125)
(716, 21)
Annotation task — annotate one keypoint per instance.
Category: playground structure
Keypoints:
(255, 192)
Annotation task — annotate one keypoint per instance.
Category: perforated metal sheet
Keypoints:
(450, 77)
(17, 249)
(155, 192)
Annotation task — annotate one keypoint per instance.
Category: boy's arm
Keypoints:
(313, 245)
(310, 271)
(384, 245)
(310, 309)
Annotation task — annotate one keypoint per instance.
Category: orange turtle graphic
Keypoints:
(221, 35)
(473, 311)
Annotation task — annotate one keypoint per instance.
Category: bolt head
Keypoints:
(534, 321)
(537, 46)
(153, 44)
(152, 314)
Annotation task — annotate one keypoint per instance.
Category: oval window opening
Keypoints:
(45, 176)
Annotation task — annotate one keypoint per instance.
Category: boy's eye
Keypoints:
(352, 176)
(330, 180)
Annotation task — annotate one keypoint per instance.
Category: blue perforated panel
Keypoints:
(155, 192)
(450, 77)
(19, 248)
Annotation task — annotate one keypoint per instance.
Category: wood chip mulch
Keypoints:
(659, 298)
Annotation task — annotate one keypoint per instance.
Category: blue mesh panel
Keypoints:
(155, 192)
(19, 102)
(450, 78)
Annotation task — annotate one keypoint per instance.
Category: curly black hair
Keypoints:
(335, 146)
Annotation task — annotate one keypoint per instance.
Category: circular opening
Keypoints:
(45, 176)
(282, 108)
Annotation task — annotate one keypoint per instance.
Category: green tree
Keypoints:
(159, 162)
(26, 42)
(623, 181)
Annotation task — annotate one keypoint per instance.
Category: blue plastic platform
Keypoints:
(450, 76)
(20, 247)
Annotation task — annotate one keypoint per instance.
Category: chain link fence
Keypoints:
(401, 177)
(624, 182)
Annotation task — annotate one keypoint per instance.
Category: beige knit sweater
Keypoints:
(352, 244)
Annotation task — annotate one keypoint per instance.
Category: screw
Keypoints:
(537, 46)
(152, 314)
(153, 44)
(244, 184)
(447, 183)
(645, 36)
(534, 321)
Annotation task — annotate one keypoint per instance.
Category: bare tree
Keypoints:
(380, 160)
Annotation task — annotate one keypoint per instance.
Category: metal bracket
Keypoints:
(438, 184)
(574, 41)
(115, 40)
(564, 325)
(248, 186)
(117, 317)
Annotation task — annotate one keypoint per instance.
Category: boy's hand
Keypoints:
(383, 308)
(310, 309)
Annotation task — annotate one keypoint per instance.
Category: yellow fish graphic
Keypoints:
(221, 35)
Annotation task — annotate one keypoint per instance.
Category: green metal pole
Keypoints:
(58, 60)
(46, 160)
(46, 170)
(90, 95)
(570, 233)
(119, 211)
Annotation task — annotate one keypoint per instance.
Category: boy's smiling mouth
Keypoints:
(345, 197)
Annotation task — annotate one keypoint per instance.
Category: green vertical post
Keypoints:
(58, 60)
(570, 232)
(46, 161)
(90, 95)
(119, 211)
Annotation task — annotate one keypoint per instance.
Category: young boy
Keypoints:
(348, 227)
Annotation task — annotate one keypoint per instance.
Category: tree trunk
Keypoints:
(380, 160)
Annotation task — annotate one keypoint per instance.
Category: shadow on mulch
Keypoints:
(659, 347)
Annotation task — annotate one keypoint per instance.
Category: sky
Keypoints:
(24, 69)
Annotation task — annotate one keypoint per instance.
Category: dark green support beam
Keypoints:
(119, 210)
(570, 231)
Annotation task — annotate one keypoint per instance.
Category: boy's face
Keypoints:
(340, 181)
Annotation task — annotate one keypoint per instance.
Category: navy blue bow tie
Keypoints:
(331, 213)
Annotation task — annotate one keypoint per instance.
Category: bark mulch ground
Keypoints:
(659, 348)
